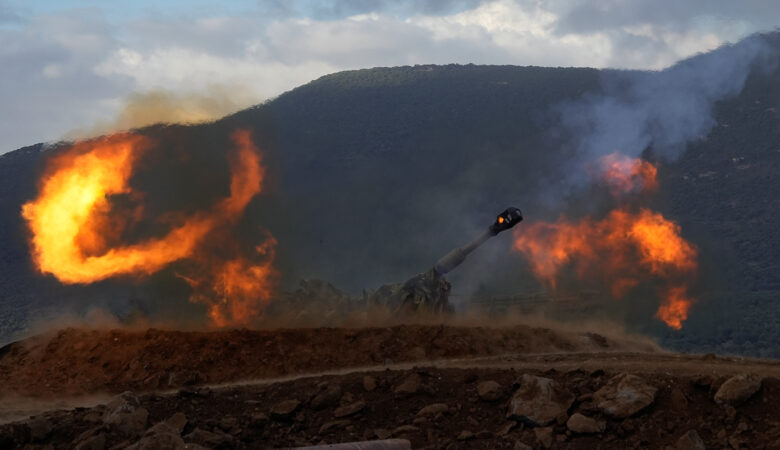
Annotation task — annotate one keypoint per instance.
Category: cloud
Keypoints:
(339, 9)
(725, 16)
(73, 68)
(47, 82)
(7, 15)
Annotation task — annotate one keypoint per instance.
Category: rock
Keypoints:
(94, 417)
(731, 413)
(347, 398)
(411, 385)
(284, 410)
(177, 421)
(228, 424)
(522, 446)
(679, 400)
(159, 441)
(585, 425)
(585, 397)
(125, 414)
(329, 397)
(738, 389)
(484, 434)
(509, 426)
(544, 436)
(90, 433)
(161, 428)
(690, 441)
(369, 383)
(405, 429)
(350, 409)
(465, 435)
(735, 442)
(335, 424)
(96, 442)
(184, 378)
(434, 409)
(381, 433)
(489, 391)
(538, 401)
(624, 395)
(258, 420)
(209, 439)
(40, 428)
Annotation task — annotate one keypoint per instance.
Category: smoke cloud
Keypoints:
(662, 111)
(161, 106)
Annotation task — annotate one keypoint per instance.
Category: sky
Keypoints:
(74, 68)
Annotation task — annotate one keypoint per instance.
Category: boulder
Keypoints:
(329, 397)
(403, 429)
(159, 441)
(96, 442)
(465, 435)
(348, 410)
(40, 428)
(433, 409)
(124, 412)
(285, 409)
(578, 423)
(538, 401)
(382, 433)
(333, 425)
(489, 391)
(690, 441)
(177, 421)
(369, 383)
(209, 439)
(624, 395)
(738, 389)
(544, 436)
(409, 386)
(257, 420)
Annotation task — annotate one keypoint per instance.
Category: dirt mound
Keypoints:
(77, 361)
(433, 408)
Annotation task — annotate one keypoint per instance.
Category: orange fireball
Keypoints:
(624, 248)
(70, 221)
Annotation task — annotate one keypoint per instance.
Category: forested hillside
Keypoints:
(374, 174)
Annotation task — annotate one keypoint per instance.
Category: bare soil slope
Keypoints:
(74, 361)
(437, 386)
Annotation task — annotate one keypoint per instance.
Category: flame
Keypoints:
(239, 289)
(74, 234)
(626, 175)
(674, 308)
(622, 248)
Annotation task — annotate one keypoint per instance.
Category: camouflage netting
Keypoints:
(427, 291)
(318, 301)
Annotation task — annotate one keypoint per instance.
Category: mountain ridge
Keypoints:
(375, 173)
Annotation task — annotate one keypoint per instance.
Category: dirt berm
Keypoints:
(437, 386)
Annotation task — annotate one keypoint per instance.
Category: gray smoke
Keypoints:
(662, 111)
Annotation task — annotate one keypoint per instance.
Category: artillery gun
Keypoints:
(429, 291)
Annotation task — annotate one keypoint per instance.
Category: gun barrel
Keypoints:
(506, 220)
(453, 259)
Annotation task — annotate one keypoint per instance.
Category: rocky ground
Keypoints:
(583, 392)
